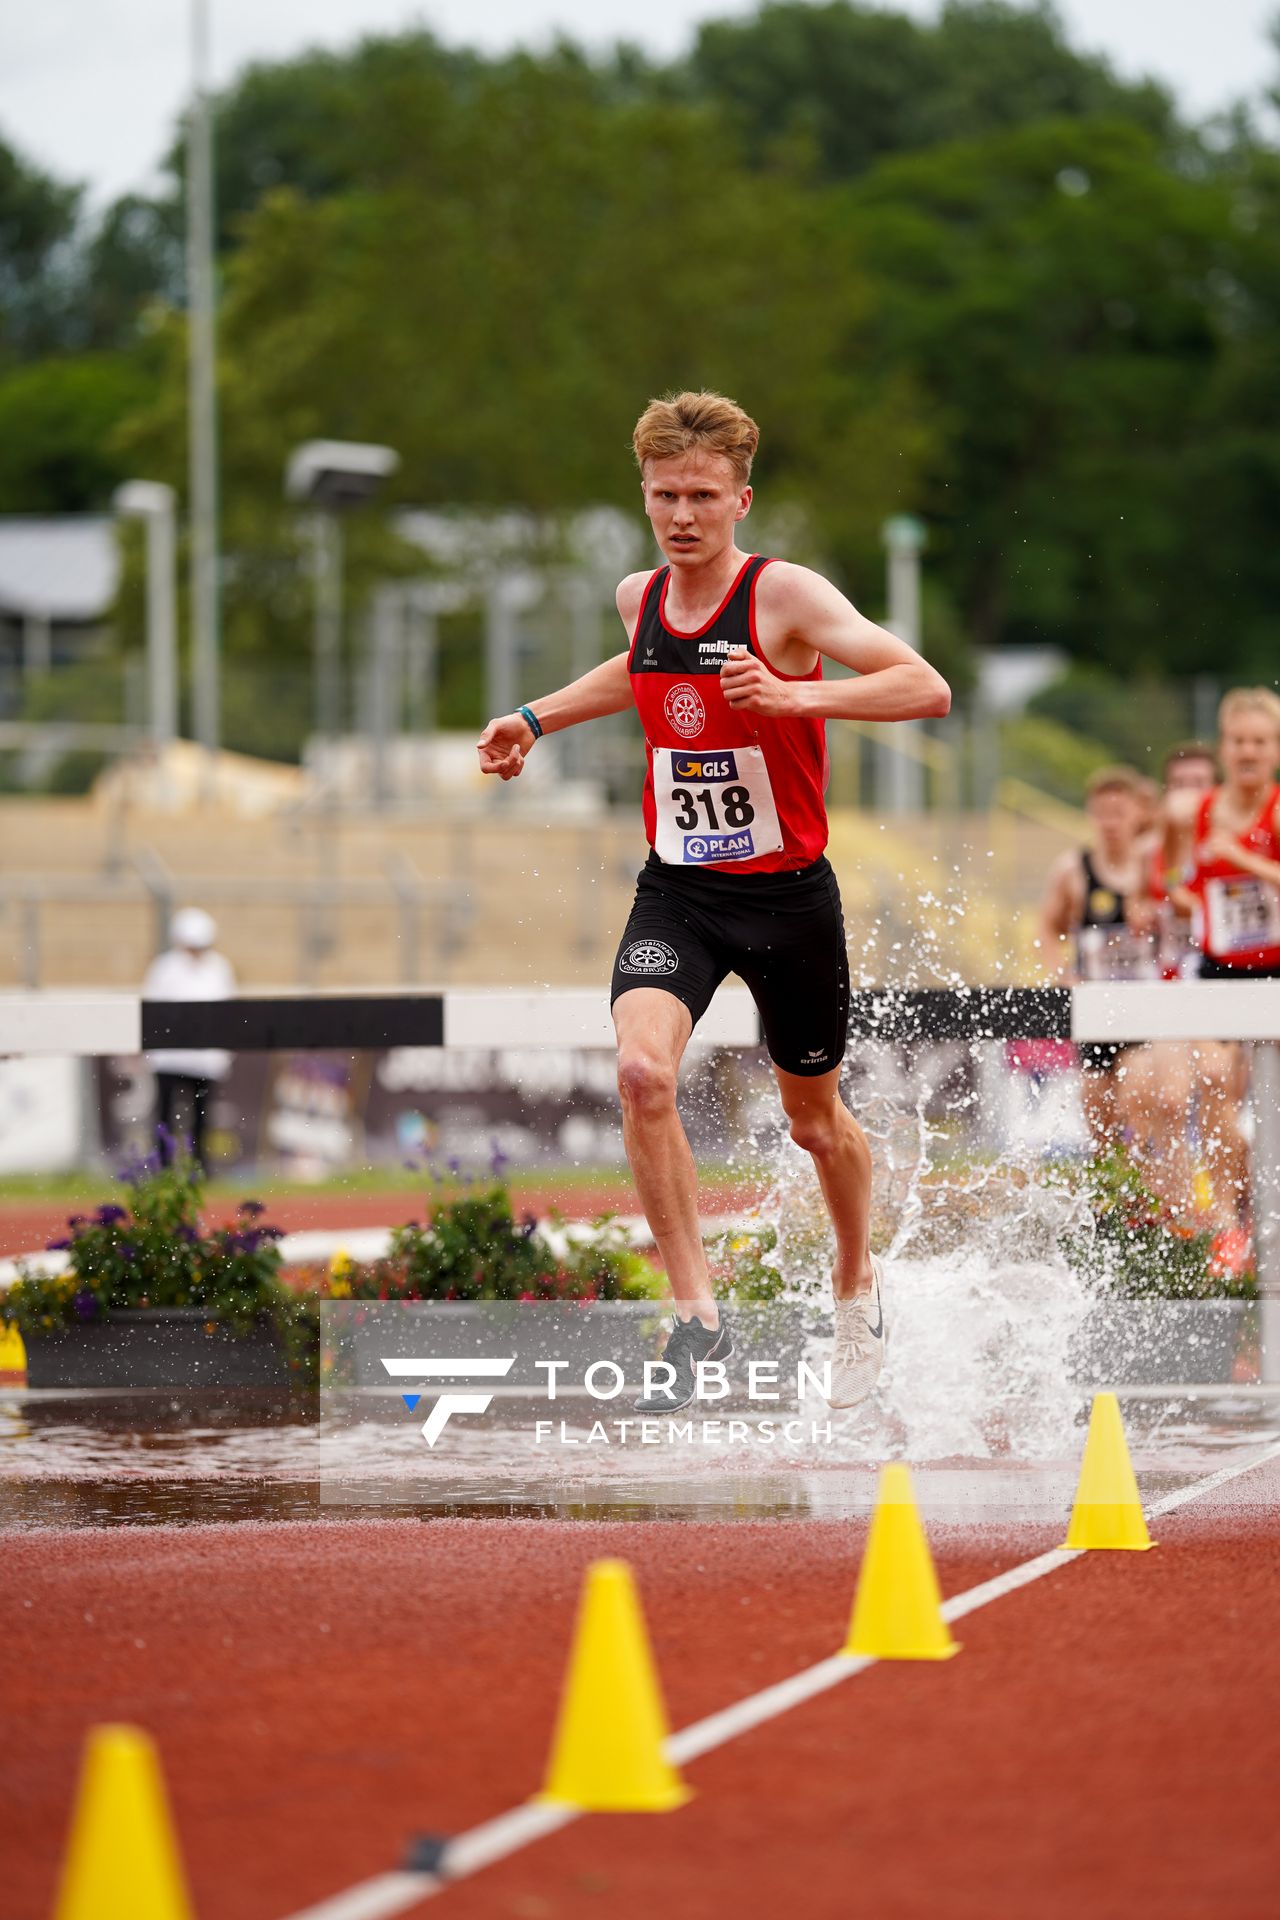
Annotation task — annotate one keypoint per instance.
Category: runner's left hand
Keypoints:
(749, 686)
(1220, 845)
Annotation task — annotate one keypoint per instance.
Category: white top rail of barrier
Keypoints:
(79, 1023)
(1176, 1010)
(493, 1018)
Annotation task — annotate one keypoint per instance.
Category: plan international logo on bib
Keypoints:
(701, 847)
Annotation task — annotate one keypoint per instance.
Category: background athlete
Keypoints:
(1233, 896)
(724, 665)
(1096, 924)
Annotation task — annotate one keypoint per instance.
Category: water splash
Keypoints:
(982, 1302)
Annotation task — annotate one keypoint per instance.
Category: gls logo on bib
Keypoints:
(704, 766)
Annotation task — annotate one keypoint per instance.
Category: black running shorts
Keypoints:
(781, 933)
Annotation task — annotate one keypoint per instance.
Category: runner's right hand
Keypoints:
(503, 745)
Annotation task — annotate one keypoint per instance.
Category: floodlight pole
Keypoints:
(900, 777)
(331, 476)
(326, 534)
(202, 402)
(154, 503)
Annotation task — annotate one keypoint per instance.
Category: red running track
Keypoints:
(1105, 1745)
(27, 1226)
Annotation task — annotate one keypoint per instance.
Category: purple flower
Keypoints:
(136, 1169)
(57, 1246)
(110, 1215)
(127, 1253)
(85, 1304)
(498, 1160)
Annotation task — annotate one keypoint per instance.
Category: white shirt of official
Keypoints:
(181, 975)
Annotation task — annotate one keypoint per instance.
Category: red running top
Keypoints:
(1241, 912)
(675, 681)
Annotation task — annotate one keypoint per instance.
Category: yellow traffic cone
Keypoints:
(607, 1753)
(122, 1862)
(1107, 1510)
(897, 1611)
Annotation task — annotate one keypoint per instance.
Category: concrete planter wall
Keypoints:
(157, 1347)
(1164, 1342)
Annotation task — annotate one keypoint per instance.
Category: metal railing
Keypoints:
(317, 904)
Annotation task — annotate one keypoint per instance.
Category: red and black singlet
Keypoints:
(694, 735)
(1241, 912)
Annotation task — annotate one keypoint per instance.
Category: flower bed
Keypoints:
(151, 1298)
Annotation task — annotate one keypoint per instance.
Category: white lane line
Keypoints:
(717, 1728)
(375, 1899)
(496, 1838)
(1168, 1501)
(982, 1596)
(392, 1893)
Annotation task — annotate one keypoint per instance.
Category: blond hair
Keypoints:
(1249, 700)
(1115, 780)
(697, 422)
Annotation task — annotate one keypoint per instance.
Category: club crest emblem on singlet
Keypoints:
(684, 709)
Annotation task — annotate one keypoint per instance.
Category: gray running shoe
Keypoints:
(688, 1344)
(859, 1349)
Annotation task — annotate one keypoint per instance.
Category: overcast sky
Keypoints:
(91, 88)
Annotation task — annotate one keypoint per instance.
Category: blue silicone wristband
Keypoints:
(527, 713)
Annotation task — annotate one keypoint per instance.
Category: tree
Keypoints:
(37, 221)
(129, 263)
(861, 84)
(58, 422)
(1053, 291)
(320, 124)
(530, 271)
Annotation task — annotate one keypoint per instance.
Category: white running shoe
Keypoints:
(859, 1350)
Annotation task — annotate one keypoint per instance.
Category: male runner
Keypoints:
(1183, 1096)
(724, 665)
(1234, 894)
(1090, 902)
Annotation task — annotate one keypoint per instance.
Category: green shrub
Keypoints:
(1148, 1255)
(473, 1248)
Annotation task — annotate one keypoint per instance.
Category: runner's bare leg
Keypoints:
(823, 1125)
(653, 1030)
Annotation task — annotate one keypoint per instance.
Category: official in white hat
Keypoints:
(189, 969)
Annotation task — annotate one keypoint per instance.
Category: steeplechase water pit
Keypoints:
(999, 1331)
